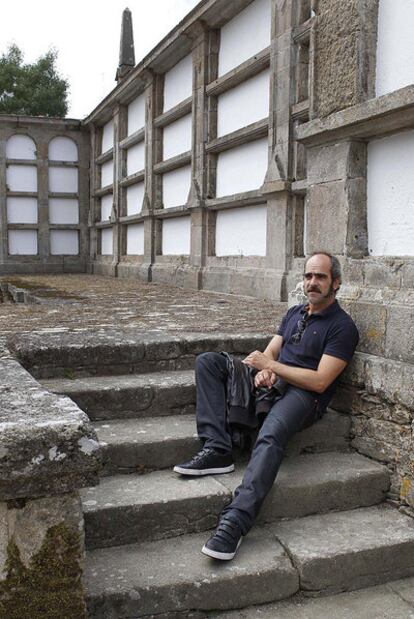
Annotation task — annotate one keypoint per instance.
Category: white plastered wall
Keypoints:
(63, 180)
(242, 168)
(107, 136)
(391, 195)
(395, 45)
(245, 35)
(134, 198)
(64, 242)
(244, 104)
(178, 83)
(177, 137)
(176, 187)
(63, 211)
(241, 231)
(22, 210)
(136, 114)
(21, 178)
(20, 147)
(176, 236)
(107, 240)
(22, 242)
(63, 149)
(106, 207)
(107, 173)
(135, 239)
(136, 158)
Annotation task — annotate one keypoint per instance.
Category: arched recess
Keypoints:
(20, 147)
(63, 149)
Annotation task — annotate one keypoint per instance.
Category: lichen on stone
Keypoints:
(50, 587)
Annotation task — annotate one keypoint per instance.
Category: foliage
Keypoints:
(34, 89)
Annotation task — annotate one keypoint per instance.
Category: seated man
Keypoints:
(313, 345)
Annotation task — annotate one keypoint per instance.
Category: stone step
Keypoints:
(394, 600)
(114, 351)
(130, 508)
(138, 445)
(318, 554)
(130, 395)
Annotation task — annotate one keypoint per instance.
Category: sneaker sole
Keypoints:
(222, 556)
(198, 472)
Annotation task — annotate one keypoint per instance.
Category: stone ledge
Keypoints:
(47, 444)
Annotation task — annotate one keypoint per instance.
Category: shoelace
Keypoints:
(200, 455)
(228, 531)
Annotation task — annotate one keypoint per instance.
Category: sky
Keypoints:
(86, 36)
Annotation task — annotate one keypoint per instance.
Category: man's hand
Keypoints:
(258, 360)
(265, 378)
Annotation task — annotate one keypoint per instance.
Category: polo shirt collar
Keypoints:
(333, 307)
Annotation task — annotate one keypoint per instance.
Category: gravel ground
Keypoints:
(72, 302)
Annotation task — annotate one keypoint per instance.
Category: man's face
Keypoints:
(318, 284)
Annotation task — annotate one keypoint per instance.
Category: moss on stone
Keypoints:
(51, 587)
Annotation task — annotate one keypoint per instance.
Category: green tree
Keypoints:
(35, 89)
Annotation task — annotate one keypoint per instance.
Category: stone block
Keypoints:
(336, 162)
(407, 273)
(357, 232)
(400, 334)
(326, 217)
(371, 321)
(384, 274)
(357, 549)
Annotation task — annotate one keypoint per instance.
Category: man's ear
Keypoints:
(336, 285)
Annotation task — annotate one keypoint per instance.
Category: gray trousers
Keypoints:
(296, 410)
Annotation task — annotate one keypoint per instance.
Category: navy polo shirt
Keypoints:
(329, 332)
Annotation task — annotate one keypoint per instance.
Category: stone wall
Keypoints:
(48, 451)
(44, 194)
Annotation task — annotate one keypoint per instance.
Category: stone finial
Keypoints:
(126, 48)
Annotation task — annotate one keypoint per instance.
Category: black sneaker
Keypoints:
(224, 543)
(208, 461)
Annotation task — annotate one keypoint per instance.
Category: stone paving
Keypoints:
(73, 302)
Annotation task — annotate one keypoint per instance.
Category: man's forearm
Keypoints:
(299, 377)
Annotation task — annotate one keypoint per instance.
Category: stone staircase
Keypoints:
(324, 528)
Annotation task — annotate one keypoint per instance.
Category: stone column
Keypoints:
(344, 54)
(93, 184)
(336, 217)
(116, 228)
(153, 154)
(198, 250)
(84, 166)
(43, 199)
(277, 185)
(3, 200)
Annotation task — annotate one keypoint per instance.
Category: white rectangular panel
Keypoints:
(245, 35)
(63, 211)
(64, 242)
(176, 236)
(20, 147)
(241, 232)
(177, 137)
(108, 136)
(242, 168)
(22, 242)
(136, 158)
(106, 207)
(64, 180)
(391, 195)
(107, 173)
(107, 241)
(245, 104)
(178, 83)
(134, 198)
(22, 210)
(136, 114)
(135, 240)
(176, 187)
(395, 45)
(21, 178)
